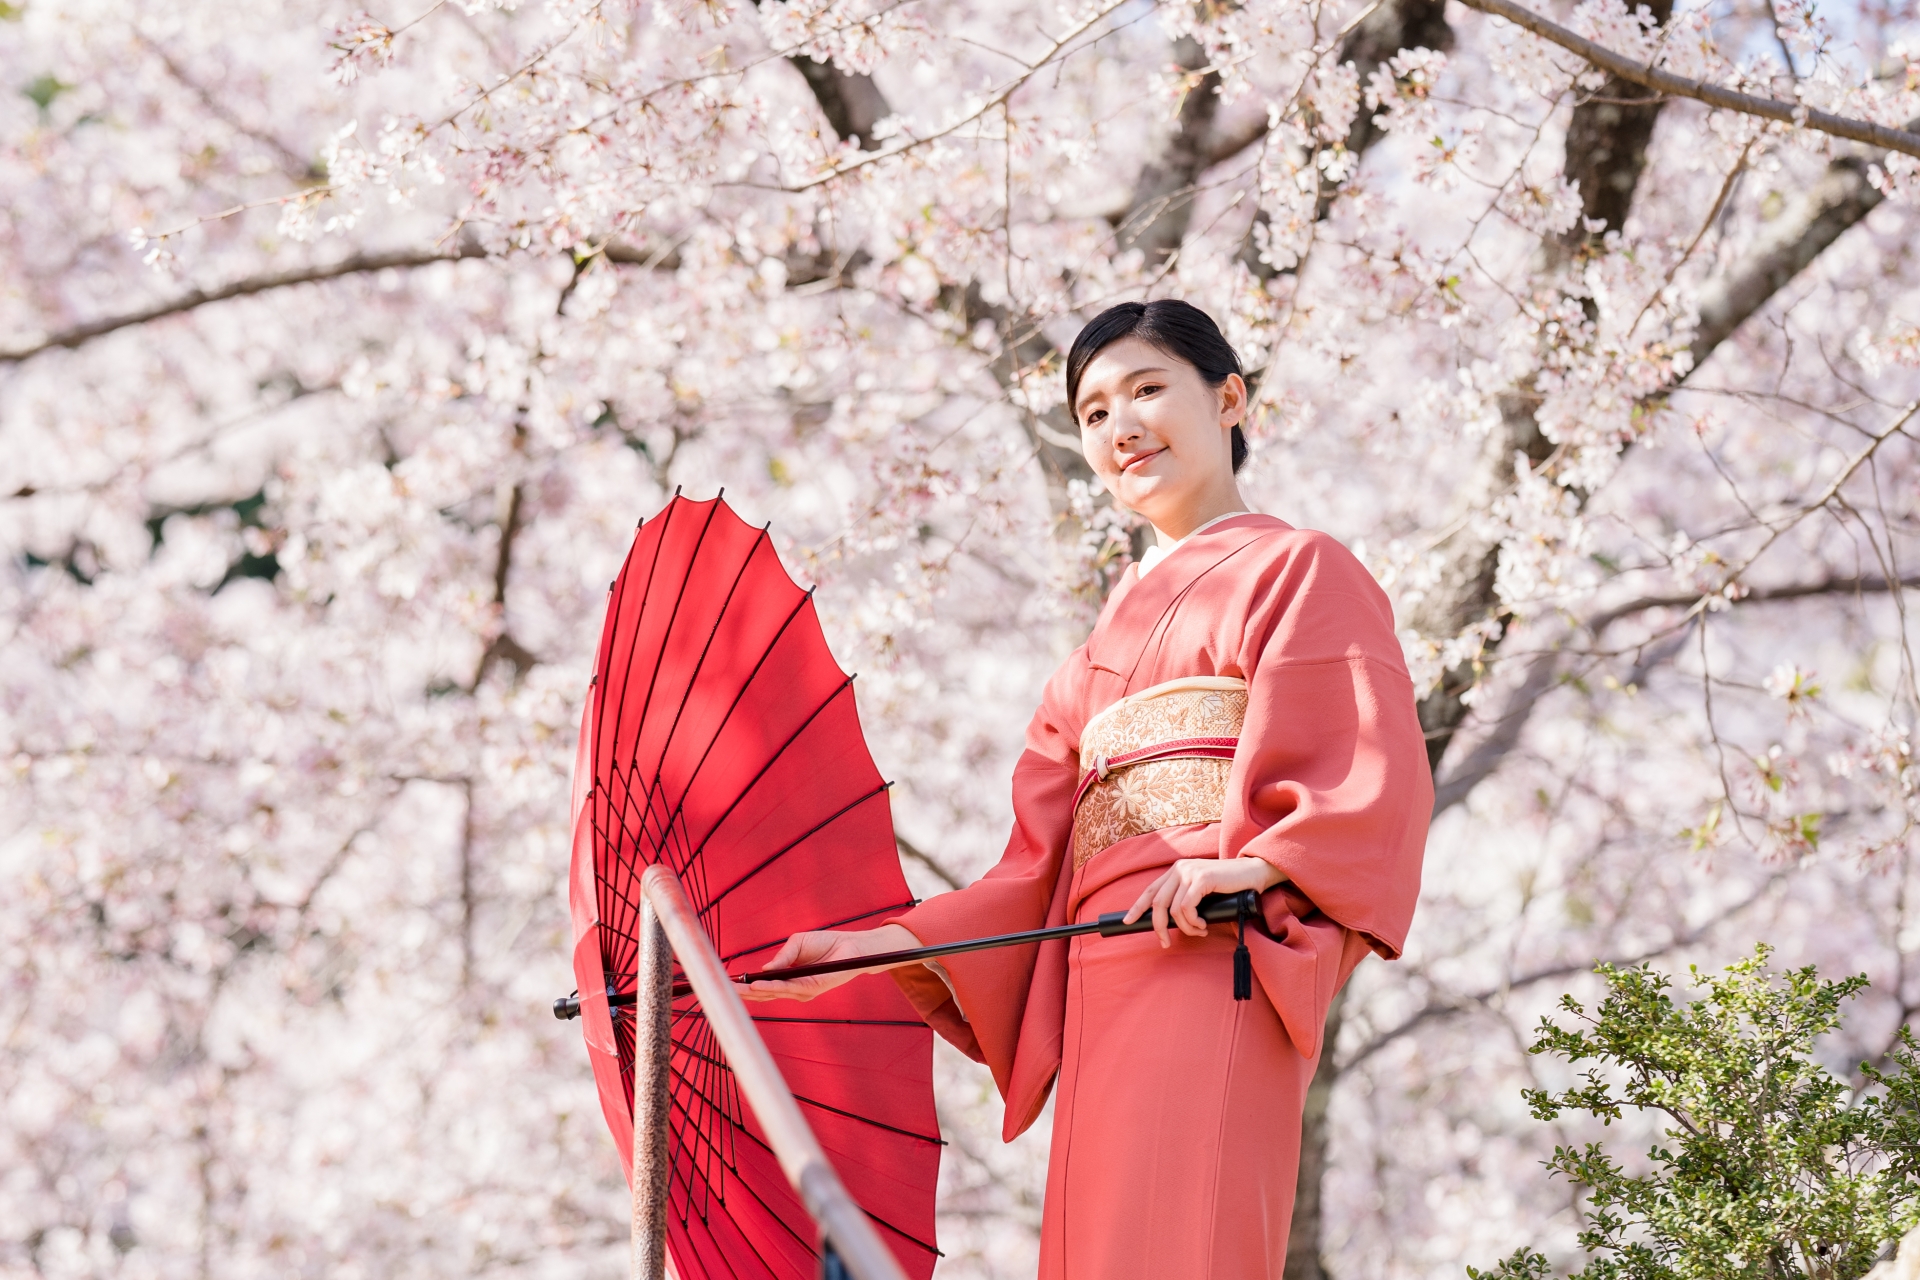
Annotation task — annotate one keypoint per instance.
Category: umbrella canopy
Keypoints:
(721, 739)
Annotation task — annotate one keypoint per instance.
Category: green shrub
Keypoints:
(1771, 1168)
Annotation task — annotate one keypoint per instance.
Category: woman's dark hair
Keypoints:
(1178, 328)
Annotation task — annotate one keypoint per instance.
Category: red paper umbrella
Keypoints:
(721, 739)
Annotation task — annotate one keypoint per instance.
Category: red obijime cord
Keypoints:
(1210, 748)
(1172, 749)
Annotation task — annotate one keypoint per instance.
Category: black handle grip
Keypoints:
(1215, 908)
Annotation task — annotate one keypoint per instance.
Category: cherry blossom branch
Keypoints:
(799, 271)
(1649, 77)
(358, 264)
(1489, 752)
(1775, 533)
(1446, 1007)
(986, 106)
(1839, 200)
(1797, 591)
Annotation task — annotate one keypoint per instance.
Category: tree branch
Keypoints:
(358, 264)
(503, 647)
(1874, 135)
(1161, 206)
(1840, 199)
(1798, 591)
(1489, 752)
(1447, 1007)
(852, 103)
(909, 849)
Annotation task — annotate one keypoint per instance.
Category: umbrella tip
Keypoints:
(676, 490)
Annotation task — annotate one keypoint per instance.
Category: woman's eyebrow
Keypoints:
(1152, 368)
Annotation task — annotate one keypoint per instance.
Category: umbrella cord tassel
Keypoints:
(1242, 959)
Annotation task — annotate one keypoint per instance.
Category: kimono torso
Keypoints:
(1177, 1127)
(1330, 784)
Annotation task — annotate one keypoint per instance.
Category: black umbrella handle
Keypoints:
(1215, 908)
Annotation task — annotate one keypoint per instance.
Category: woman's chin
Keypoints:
(1146, 493)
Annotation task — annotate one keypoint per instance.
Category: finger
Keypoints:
(1161, 900)
(1144, 901)
(788, 955)
(791, 989)
(1186, 906)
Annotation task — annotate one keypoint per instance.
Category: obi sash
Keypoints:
(1157, 758)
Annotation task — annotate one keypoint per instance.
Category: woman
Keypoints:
(1177, 1129)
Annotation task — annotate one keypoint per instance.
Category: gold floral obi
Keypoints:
(1157, 758)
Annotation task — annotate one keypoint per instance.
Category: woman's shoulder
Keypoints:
(1272, 538)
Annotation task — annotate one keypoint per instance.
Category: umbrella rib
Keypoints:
(877, 1124)
(718, 618)
(718, 1108)
(903, 1233)
(772, 1210)
(741, 1178)
(832, 924)
(707, 752)
(605, 680)
(720, 1196)
(734, 1127)
(815, 1102)
(793, 844)
(849, 1022)
(666, 635)
(665, 841)
(773, 759)
(673, 616)
(745, 1182)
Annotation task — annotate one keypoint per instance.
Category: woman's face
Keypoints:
(1159, 436)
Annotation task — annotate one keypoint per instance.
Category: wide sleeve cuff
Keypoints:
(936, 1006)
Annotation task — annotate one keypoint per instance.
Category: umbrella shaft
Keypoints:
(1214, 908)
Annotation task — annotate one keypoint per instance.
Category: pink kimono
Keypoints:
(1177, 1130)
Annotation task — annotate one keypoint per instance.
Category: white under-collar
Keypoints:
(1160, 551)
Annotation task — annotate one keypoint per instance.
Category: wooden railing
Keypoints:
(671, 929)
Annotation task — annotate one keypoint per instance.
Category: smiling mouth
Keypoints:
(1139, 458)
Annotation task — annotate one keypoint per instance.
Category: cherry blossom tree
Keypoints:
(340, 353)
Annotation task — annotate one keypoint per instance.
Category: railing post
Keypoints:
(653, 1048)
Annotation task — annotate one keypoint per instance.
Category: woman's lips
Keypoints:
(1139, 458)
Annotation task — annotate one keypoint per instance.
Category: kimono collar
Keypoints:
(1139, 609)
(1161, 550)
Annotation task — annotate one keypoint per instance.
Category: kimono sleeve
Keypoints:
(1331, 783)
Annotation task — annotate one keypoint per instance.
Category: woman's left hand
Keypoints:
(1176, 894)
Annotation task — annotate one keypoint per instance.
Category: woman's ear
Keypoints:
(1233, 400)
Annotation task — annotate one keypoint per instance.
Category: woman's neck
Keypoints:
(1191, 522)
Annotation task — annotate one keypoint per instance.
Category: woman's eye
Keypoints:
(1148, 389)
(1094, 418)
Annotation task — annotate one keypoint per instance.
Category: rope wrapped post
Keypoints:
(843, 1224)
(653, 1049)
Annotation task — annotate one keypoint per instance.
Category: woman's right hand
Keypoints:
(827, 944)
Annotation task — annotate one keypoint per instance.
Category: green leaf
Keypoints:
(44, 89)
(1768, 1167)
